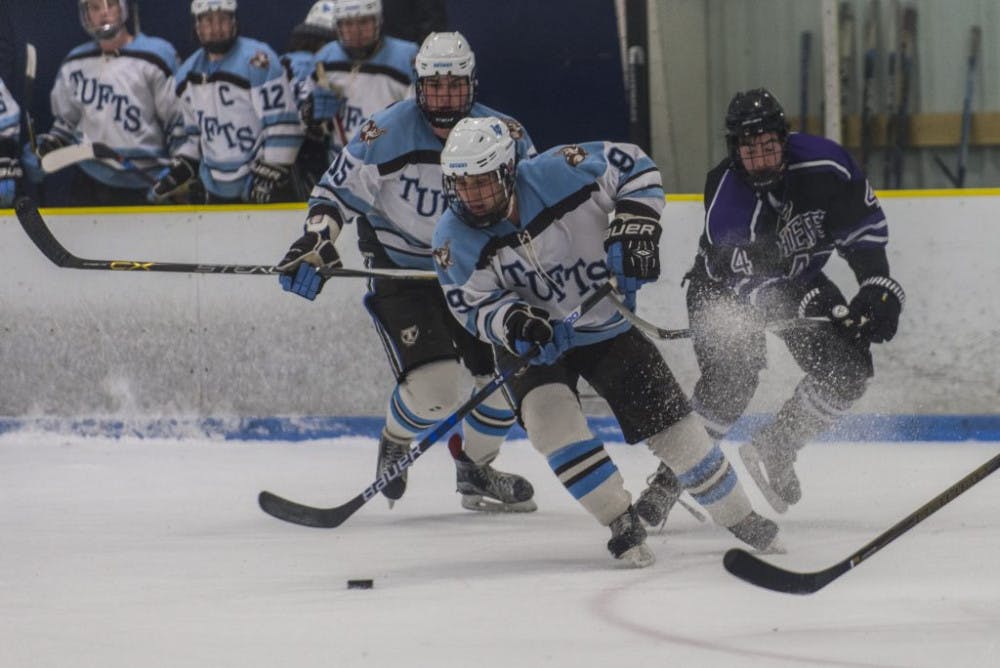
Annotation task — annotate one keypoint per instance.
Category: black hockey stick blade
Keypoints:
(330, 518)
(40, 234)
(308, 516)
(756, 571)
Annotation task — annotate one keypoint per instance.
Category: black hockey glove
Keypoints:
(633, 247)
(173, 181)
(873, 314)
(298, 267)
(823, 300)
(46, 143)
(265, 181)
(526, 327)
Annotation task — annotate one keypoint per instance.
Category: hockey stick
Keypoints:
(63, 157)
(805, 53)
(758, 572)
(34, 225)
(958, 179)
(673, 334)
(30, 69)
(870, 61)
(329, 518)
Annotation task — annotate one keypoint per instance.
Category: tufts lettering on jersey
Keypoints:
(574, 154)
(370, 132)
(426, 201)
(555, 283)
(260, 60)
(92, 93)
(442, 255)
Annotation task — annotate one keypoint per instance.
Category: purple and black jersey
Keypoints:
(824, 203)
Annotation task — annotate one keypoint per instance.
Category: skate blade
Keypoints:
(755, 467)
(639, 556)
(486, 505)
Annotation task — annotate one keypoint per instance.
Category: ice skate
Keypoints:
(659, 497)
(759, 533)
(628, 541)
(772, 468)
(389, 452)
(485, 489)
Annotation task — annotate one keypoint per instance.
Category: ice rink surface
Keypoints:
(154, 553)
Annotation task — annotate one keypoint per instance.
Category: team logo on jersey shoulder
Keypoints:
(260, 60)
(409, 335)
(574, 154)
(370, 132)
(515, 129)
(443, 255)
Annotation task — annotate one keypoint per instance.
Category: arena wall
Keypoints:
(105, 344)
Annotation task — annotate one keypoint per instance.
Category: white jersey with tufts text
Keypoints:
(390, 174)
(554, 257)
(123, 99)
(237, 110)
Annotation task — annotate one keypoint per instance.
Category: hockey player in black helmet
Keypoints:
(777, 207)
(757, 138)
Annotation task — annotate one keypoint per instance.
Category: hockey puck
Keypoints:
(360, 584)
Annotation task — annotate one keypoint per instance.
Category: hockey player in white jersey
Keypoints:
(388, 180)
(523, 244)
(10, 127)
(361, 73)
(116, 90)
(317, 30)
(241, 125)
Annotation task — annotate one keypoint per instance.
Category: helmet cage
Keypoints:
(107, 30)
(750, 114)
(496, 192)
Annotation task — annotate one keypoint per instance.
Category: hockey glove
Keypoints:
(47, 143)
(633, 247)
(266, 179)
(32, 165)
(174, 180)
(325, 104)
(298, 267)
(823, 300)
(873, 314)
(526, 327)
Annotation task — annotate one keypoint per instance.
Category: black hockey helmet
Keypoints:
(752, 113)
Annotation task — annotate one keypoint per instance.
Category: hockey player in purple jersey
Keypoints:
(776, 208)
(522, 245)
(388, 181)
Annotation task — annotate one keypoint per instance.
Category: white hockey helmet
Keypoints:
(478, 147)
(200, 8)
(356, 9)
(100, 29)
(445, 53)
(355, 42)
(322, 15)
